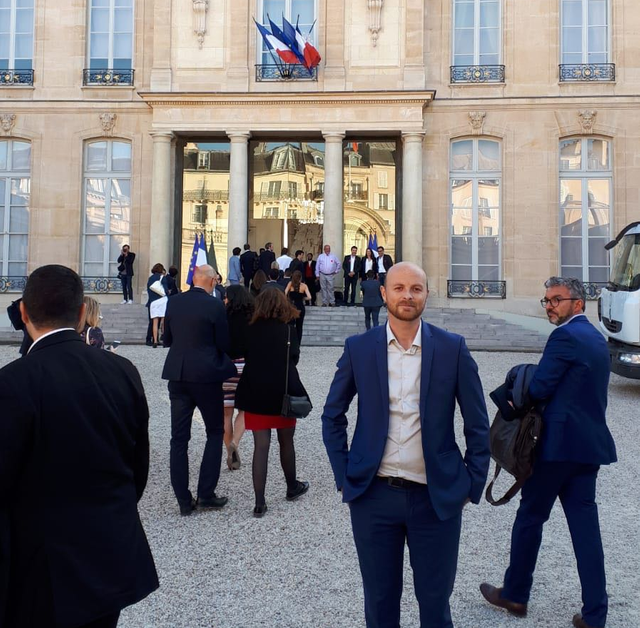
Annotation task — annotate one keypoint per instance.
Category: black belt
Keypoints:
(400, 482)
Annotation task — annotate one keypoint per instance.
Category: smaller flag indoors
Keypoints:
(194, 258)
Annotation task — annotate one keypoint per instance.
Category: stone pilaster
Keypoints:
(238, 190)
(412, 197)
(160, 236)
(333, 228)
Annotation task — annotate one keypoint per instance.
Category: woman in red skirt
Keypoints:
(262, 386)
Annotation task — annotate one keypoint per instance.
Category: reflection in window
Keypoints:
(585, 208)
(16, 35)
(107, 206)
(476, 33)
(205, 203)
(15, 189)
(585, 31)
(475, 210)
(110, 34)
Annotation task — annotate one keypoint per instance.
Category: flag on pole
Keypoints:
(308, 55)
(201, 259)
(194, 258)
(375, 243)
(212, 256)
(274, 43)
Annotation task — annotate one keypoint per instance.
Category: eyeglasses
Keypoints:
(555, 301)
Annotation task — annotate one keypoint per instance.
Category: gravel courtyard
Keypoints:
(297, 567)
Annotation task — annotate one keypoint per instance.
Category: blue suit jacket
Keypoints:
(573, 378)
(448, 374)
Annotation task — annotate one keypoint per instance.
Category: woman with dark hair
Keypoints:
(298, 293)
(369, 262)
(259, 279)
(170, 282)
(262, 387)
(219, 288)
(240, 307)
(157, 274)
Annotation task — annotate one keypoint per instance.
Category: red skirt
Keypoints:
(253, 421)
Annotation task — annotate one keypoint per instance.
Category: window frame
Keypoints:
(475, 175)
(13, 8)
(584, 175)
(108, 174)
(111, 35)
(476, 34)
(584, 27)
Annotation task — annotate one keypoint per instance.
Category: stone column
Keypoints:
(238, 191)
(412, 197)
(160, 80)
(160, 236)
(333, 228)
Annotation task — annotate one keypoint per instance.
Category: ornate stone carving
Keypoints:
(7, 120)
(108, 122)
(476, 120)
(200, 8)
(375, 19)
(587, 120)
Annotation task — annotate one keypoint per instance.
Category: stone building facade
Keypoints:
(493, 142)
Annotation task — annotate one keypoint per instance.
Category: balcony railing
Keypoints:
(16, 77)
(12, 284)
(477, 74)
(294, 72)
(579, 72)
(205, 195)
(476, 289)
(101, 285)
(107, 77)
(593, 289)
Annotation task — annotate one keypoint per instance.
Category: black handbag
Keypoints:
(293, 407)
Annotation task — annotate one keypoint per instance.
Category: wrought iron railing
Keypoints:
(16, 77)
(107, 77)
(205, 195)
(476, 289)
(12, 284)
(578, 72)
(295, 72)
(101, 285)
(477, 74)
(593, 289)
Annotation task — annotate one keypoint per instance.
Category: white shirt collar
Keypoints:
(571, 319)
(49, 333)
(417, 341)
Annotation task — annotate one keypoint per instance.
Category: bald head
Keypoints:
(407, 268)
(204, 277)
(405, 292)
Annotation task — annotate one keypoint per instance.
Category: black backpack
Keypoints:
(513, 448)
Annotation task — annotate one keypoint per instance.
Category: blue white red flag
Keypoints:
(194, 258)
(308, 54)
(273, 42)
(374, 243)
(201, 259)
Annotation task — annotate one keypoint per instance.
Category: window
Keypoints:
(107, 206)
(203, 161)
(293, 189)
(15, 188)
(383, 200)
(476, 32)
(382, 179)
(476, 180)
(271, 212)
(110, 34)
(585, 31)
(16, 35)
(199, 214)
(585, 208)
(302, 12)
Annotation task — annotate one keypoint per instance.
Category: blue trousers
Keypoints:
(383, 519)
(575, 485)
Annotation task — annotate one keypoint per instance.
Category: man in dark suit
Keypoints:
(309, 277)
(197, 334)
(298, 263)
(274, 281)
(384, 264)
(404, 477)
(267, 257)
(248, 261)
(74, 461)
(571, 383)
(351, 267)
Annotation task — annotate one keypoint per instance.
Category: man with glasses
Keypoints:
(570, 389)
(384, 264)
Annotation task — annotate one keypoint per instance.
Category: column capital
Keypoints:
(239, 136)
(162, 136)
(413, 136)
(333, 136)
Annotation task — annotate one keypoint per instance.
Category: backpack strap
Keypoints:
(507, 496)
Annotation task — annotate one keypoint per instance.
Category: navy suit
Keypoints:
(428, 517)
(572, 380)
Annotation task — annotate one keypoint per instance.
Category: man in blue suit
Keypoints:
(571, 382)
(404, 476)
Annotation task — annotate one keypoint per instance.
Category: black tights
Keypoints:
(261, 444)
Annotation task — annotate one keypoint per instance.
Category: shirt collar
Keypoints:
(49, 333)
(415, 345)
(573, 318)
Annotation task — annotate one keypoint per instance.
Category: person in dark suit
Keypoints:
(273, 282)
(384, 264)
(74, 461)
(404, 476)
(13, 312)
(125, 272)
(248, 262)
(267, 257)
(309, 277)
(197, 334)
(371, 299)
(571, 384)
(351, 267)
(298, 262)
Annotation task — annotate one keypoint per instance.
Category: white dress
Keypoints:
(158, 307)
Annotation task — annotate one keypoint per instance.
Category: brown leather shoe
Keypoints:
(492, 595)
(578, 622)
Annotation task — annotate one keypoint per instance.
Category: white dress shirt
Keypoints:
(368, 265)
(381, 268)
(50, 333)
(284, 261)
(353, 263)
(403, 455)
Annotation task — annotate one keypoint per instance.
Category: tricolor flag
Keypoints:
(201, 259)
(272, 42)
(311, 56)
(194, 258)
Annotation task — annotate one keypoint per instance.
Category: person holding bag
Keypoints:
(270, 373)
(155, 291)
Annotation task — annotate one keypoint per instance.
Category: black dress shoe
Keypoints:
(187, 509)
(493, 596)
(213, 503)
(258, 511)
(579, 622)
(149, 343)
(299, 491)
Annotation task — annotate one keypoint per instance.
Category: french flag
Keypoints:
(275, 43)
(307, 53)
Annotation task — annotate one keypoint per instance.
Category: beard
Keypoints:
(405, 314)
(559, 320)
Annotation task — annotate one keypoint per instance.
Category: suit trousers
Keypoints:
(350, 284)
(326, 286)
(382, 520)
(110, 621)
(127, 289)
(575, 485)
(370, 312)
(185, 398)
